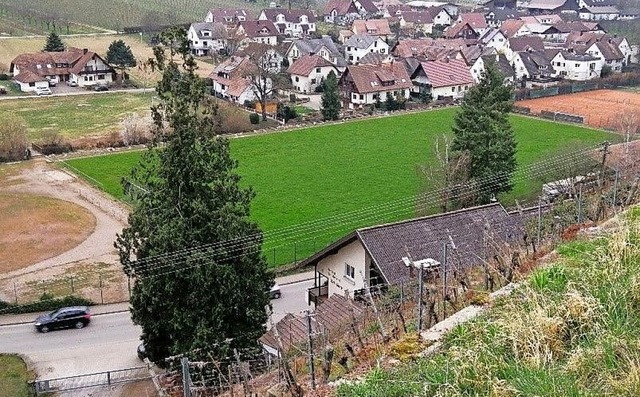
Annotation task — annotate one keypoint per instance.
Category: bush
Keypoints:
(13, 138)
(250, 104)
(52, 143)
(136, 130)
(46, 304)
(254, 118)
(4, 76)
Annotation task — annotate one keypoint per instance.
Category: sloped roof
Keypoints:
(28, 76)
(405, 48)
(331, 316)
(255, 50)
(217, 29)
(254, 28)
(44, 63)
(342, 7)
(304, 65)
(545, 4)
(292, 15)
(379, 27)
(475, 19)
(369, 78)
(489, 34)
(454, 30)
(570, 26)
(533, 60)
(524, 43)
(238, 85)
(473, 52)
(511, 26)
(361, 41)
(447, 73)
(234, 65)
(369, 6)
(501, 62)
(609, 50)
(418, 17)
(313, 46)
(219, 14)
(375, 58)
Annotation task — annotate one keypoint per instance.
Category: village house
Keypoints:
(378, 255)
(499, 61)
(231, 80)
(427, 48)
(362, 85)
(514, 28)
(308, 72)
(573, 66)
(609, 54)
(461, 30)
(268, 57)
(340, 12)
(532, 66)
(292, 23)
(372, 27)
(359, 45)
(587, 39)
(228, 16)
(523, 43)
(495, 17)
(542, 7)
(476, 21)
(493, 38)
(324, 47)
(206, 38)
(258, 31)
(75, 66)
(448, 78)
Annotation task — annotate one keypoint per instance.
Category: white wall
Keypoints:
(333, 267)
(305, 84)
(26, 87)
(576, 70)
(353, 54)
(455, 91)
(370, 98)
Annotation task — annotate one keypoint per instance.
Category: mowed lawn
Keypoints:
(77, 115)
(13, 376)
(311, 174)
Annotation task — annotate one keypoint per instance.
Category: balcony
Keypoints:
(317, 295)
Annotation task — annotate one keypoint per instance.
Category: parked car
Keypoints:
(142, 352)
(65, 317)
(274, 292)
(52, 83)
(101, 87)
(43, 91)
(71, 83)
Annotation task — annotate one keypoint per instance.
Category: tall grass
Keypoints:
(572, 330)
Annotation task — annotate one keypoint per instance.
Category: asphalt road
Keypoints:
(108, 343)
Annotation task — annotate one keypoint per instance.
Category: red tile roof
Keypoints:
(289, 15)
(304, 65)
(376, 27)
(44, 63)
(511, 26)
(342, 7)
(447, 73)
(255, 28)
(28, 76)
(475, 19)
(370, 78)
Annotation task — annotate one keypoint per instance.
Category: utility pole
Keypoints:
(580, 205)
(539, 220)
(311, 365)
(444, 266)
(615, 192)
(186, 377)
(605, 151)
(420, 288)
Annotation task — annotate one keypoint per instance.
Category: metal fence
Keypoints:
(108, 378)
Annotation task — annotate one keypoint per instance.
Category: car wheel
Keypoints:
(44, 329)
(79, 325)
(276, 295)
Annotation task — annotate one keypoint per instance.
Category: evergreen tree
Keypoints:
(331, 103)
(54, 43)
(482, 128)
(119, 55)
(200, 279)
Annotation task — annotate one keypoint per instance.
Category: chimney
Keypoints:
(85, 50)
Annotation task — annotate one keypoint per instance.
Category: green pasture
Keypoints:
(339, 170)
(76, 116)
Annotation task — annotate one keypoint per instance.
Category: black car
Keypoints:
(101, 87)
(66, 317)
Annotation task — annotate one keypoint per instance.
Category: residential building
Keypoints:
(599, 13)
(427, 48)
(228, 16)
(292, 23)
(378, 255)
(258, 31)
(461, 30)
(573, 66)
(476, 21)
(609, 54)
(359, 45)
(362, 85)
(77, 66)
(231, 80)
(340, 12)
(206, 38)
(523, 43)
(449, 78)
(541, 7)
(498, 60)
(494, 38)
(309, 71)
(324, 47)
(372, 27)
(268, 57)
(532, 65)
(514, 28)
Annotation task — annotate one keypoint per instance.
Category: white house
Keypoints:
(30, 81)
(260, 31)
(494, 38)
(574, 66)
(449, 78)
(206, 38)
(309, 71)
(340, 11)
(609, 54)
(362, 85)
(379, 255)
(79, 66)
(531, 65)
(359, 45)
(228, 16)
(232, 81)
(599, 13)
(292, 23)
(324, 47)
(500, 61)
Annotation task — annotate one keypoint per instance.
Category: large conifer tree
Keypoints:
(200, 279)
(54, 43)
(331, 98)
(482, 129)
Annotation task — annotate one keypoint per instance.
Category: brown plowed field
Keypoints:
(600, 108)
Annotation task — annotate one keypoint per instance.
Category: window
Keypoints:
(101, 77)
(313, 81)
(297, 79)
(317, 70)
(361, 97)
(204, 43)
(453, 89)
(349, 271)
(354, 96)
(577, 65)
(32, 84)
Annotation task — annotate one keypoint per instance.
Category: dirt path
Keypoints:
(44, 178)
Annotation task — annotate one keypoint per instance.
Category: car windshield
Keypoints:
(54, 313)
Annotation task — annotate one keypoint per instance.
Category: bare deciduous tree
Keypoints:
(13, 138)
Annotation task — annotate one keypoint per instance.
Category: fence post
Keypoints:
(72, 286)
(15, 292)
(101, 294)
(108, 377)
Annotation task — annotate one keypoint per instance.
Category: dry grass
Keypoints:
(35, 228)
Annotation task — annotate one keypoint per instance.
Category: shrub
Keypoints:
(13, 138)
(254, 118)
(4, 76)
(250, 104)
(46, 304)
(52, 143)
(136, 130)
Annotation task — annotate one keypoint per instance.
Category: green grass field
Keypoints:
(13, 376)
(76, 116)
(314, 173)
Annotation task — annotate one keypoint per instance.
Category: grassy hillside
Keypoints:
(314, 173)
(572, 329)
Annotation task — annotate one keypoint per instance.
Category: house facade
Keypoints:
(292, 23)
(206, 38)
(572, 66)
(231, 80)
(359, 45)
(77, 66)
(260, 31)
(341, 12)
(532, 65)
(362, 85)
(228, 16)
(309, 71)
(324, 47)
(449, 78)
(372, 27)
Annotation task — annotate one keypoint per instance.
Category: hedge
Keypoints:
(44, 305)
